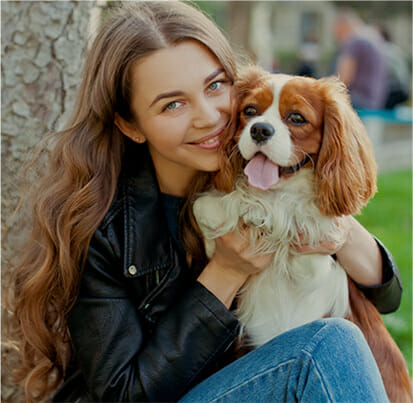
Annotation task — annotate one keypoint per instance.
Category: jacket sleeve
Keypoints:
(118, 363)
(387, 295)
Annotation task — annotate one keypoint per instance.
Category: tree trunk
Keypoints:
(42, 53)
(240, 26)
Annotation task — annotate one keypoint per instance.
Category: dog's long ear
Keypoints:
(346, 169)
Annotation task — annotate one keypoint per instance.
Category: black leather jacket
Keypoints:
(142, 327)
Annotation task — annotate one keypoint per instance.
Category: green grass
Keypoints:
(389, 217)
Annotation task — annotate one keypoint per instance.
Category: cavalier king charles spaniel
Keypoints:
(296, 158)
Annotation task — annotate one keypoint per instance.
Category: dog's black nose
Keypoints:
(261, 132)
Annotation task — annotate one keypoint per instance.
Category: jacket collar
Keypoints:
(148, 244)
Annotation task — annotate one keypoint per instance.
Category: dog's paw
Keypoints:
(257, 219)
(208, 212)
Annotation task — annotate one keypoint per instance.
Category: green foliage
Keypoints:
(217, 10)
(389, 217)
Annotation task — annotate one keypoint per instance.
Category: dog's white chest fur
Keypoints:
(295, 288)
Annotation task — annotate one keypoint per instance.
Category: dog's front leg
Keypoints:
(210, 215)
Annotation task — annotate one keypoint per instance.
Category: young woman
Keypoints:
(105, 302)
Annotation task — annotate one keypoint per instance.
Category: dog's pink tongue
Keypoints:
(262, 173)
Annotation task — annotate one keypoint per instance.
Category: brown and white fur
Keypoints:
(308, 133)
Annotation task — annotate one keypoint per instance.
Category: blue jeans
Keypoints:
(325, 361)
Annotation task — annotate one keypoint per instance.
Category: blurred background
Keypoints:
(43, 44)
(286, 33)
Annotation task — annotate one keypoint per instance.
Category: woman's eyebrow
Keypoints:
(166, 95)
(178, 93)
(213, 75)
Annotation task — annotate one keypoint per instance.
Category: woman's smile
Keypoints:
(211, 141)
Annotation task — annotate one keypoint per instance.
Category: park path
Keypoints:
(392, 140)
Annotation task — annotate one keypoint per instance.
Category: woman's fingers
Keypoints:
(331, 246)
(323, 248)
(233, 250)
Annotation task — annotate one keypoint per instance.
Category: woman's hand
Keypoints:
(357, 252)
(233, 262)
(329, 247)
(234, 253)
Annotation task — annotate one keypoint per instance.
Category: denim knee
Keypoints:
(338, 361)
(344, 326)
(335, 333)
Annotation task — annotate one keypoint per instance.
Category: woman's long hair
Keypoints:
(79, 187)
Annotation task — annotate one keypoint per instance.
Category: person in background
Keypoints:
(399, 72)
(361, 63)
(309, 54)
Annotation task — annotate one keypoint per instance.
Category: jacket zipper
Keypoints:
(145, 304)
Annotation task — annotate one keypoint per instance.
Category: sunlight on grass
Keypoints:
(389, 217)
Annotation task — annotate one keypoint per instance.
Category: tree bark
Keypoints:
(42, 52)
(240, 26)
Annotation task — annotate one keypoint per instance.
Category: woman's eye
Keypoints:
(214, 86)
(296, 119)
(172, 106)
(250, 111)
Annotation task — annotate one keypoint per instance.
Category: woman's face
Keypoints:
(181, 105)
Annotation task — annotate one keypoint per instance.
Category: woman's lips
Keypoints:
(210, 142)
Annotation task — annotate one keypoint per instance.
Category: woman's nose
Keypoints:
(206, 113)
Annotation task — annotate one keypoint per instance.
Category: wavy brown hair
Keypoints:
(73, 196)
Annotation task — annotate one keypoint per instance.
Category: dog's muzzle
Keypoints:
(261, 132)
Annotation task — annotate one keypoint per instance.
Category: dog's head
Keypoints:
(286, 123)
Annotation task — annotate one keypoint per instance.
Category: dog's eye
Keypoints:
(296, 119)
(250, 111)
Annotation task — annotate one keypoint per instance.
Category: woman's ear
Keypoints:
(129, 129)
